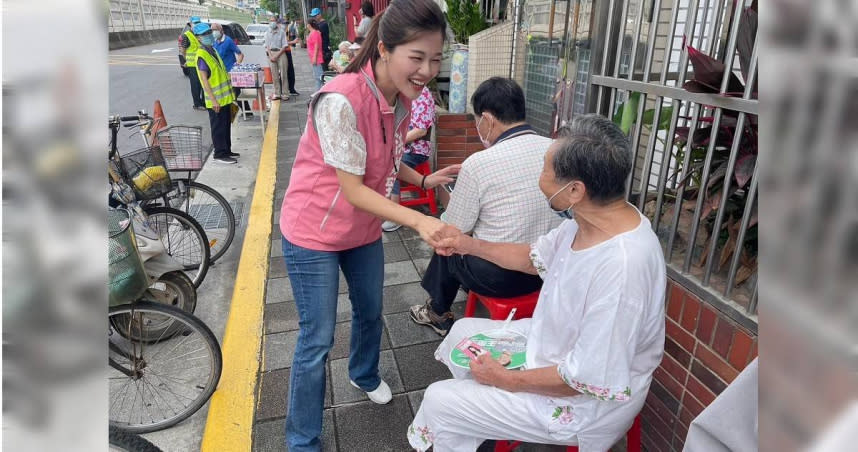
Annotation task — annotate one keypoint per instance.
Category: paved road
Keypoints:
(139, 76)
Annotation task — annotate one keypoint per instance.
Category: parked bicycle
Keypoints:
(182, 149)
(141, 176)
(164, 362)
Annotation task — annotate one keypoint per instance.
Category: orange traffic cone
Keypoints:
(158, 122)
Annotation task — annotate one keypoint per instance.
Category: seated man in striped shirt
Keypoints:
(496, 198)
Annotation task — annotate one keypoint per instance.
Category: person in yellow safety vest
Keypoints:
(218, 94)
(189, 45)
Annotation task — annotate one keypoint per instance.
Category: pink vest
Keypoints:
(315, 213)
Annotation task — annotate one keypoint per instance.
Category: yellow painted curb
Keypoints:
(229, 426)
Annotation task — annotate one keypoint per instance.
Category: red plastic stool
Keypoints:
(499, 308)
(423, 196)
(633, 440)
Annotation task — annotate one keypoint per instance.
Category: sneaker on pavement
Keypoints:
(390, 226)
(294, 93)
(227, 159)
(379, 395)
(423, 315)
(234, 154)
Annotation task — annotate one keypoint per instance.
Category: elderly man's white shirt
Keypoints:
(600, 319)
(600, 316)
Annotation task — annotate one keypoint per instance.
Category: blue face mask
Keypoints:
(568, 213)
(207, 40)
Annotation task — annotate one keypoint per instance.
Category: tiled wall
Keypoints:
(704, 352)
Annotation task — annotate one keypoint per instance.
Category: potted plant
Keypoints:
(465, 19)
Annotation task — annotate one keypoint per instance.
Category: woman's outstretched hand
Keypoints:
(451, 241)
(430, 229)
(442, 176)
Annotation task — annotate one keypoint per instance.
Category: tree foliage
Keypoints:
(271, 5)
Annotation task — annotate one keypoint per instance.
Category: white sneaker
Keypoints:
(380, 395)
(390, 226)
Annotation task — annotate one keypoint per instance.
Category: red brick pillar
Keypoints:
(456, 138)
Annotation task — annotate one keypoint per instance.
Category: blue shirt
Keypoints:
(227, 51)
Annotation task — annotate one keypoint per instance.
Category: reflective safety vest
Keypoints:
(191, 53)
(218, 79)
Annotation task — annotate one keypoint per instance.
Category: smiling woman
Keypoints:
(347, 161)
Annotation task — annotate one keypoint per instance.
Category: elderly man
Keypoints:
(226, 47)
(597, 333)
(496, 198)
(280, 58)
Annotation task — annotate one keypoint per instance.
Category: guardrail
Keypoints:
(145, 15)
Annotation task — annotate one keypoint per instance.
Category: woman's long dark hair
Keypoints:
(398, 24)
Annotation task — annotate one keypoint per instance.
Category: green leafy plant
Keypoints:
(465, 19)
(336, 30)
(693, 177)
(292, 11)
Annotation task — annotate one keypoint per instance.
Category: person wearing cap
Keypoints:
(322, 26)
(188, 46)
(218, 93)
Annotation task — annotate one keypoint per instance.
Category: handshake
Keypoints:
(447, 239)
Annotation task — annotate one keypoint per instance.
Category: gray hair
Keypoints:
(596, 152)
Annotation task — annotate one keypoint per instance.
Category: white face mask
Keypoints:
(217, 35)
(486, 143)
(567, 213)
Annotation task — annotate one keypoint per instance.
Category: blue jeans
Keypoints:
(412, 160)
(317, 75)
(315, 280)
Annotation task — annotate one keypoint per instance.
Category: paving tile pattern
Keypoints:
(351, 421)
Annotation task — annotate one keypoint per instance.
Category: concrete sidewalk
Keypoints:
(351, 421)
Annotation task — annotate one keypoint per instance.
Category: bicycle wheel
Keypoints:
(122, 441)
(157, 384)
(172, 288)
(184, 239)
(209, 208)
(175, 289)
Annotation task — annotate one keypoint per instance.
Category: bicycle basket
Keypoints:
(145, 171)
(127, 279)
(182, 147)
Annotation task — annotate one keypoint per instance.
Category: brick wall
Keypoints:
(455, 138)
(704, 352)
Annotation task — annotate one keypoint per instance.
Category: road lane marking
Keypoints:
(229, 426)
(132, 63)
